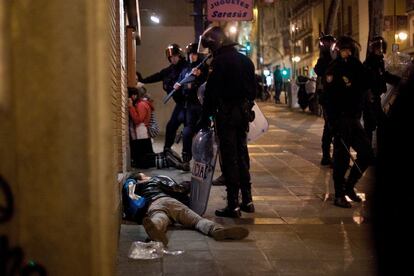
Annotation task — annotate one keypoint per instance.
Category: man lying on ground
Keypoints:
(162, 208)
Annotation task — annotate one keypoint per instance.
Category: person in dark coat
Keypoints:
(345, 84)
(373, 115)
(169, 77)
(192, 106)
(278, 82)
(229, 95)
(325, 58)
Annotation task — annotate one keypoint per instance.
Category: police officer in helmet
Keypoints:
(345, 85)
(325, 58)
(373, 114)
(229, 95)
(169, 77)
(192, 106)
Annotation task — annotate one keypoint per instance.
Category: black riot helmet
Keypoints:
(214, 38)
(326, 42)
(191, 48)
(173, 50)
(377, 43)
(347, 42)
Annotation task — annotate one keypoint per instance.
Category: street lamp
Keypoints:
(154, 18)
(402, 36)
(233, 30)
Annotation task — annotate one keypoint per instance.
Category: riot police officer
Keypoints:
(345, 86)
(169, 77)
(373, 114)
(192, 106)
(229, 95)
(325, 58)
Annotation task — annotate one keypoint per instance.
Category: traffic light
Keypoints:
(248, 48)
(286, 73)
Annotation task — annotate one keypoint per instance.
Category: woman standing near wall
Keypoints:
(140, 108)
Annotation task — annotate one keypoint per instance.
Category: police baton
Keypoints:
(187, 79)
(350, 155)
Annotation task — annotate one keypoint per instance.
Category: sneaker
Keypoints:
(353, 196)
(248, 208)
(229, 233)
(219, 181)
(153, 232)
(227, 212)
(342, 202)
(326, 161)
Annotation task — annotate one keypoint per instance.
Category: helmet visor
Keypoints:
(201, 49)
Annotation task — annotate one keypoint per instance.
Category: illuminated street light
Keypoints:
(402, 36)
(233, 29)
(155, 19)
(152, 15)
(296, 59)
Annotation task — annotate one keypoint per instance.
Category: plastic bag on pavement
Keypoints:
(150, 250)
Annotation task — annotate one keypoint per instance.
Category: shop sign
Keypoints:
(230, 10)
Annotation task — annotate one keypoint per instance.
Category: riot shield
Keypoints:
(204, 161)
(259, 125)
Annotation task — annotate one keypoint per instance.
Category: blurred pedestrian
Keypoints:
(278, 82)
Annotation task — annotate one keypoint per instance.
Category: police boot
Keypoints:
(232, 210)
(186, 161)
(326, 157)
(173, 159)
(340, 199)
(349, 189)
(247, 202)
(342, 202)
(326, 160)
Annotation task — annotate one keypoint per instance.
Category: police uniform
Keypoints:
(373, 114)
(169, 77)
(229, 96)
(345, 85)
(192, 106)
(320, 68)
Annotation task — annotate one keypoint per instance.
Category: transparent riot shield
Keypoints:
(259, 125)
(204, 161)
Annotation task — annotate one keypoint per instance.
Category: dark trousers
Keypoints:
(326, 137)
(373, 115)
(192, 115)
(177, 118)
(142, 154)
(349, 133)
(278, 91)
(232, 134)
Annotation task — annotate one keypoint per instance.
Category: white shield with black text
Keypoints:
(204, 161)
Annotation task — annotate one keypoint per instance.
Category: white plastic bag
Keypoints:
(150, 250)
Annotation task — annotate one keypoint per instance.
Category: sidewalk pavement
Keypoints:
(296, 229)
